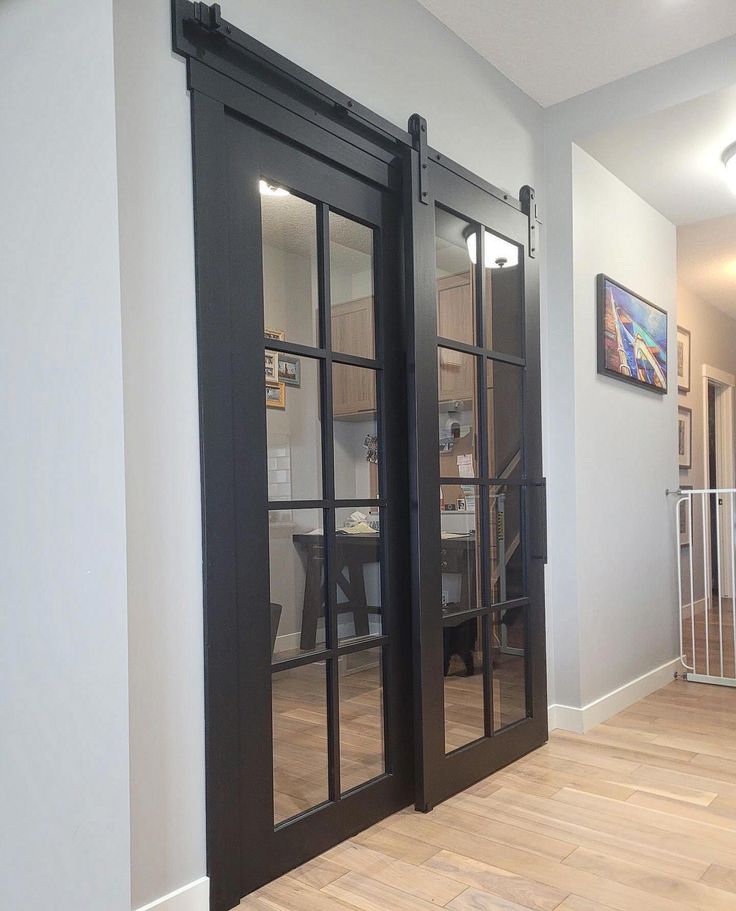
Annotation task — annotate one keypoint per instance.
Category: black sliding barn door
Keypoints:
(478, 492)
(303, 416)
(373, 505)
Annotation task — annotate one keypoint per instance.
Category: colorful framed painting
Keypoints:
(683, 360)
(632, 337)
(685, 437)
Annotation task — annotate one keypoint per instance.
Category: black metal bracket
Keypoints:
(209, 17)
(527, 197)
(418, 132)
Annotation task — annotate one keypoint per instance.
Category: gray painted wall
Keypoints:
(626, 445)
(396, 58)
(64, 790)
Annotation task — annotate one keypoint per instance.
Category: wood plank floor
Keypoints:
(637, 815)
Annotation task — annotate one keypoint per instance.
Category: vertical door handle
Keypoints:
(539, 551)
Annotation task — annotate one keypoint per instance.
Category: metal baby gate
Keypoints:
(706, 584)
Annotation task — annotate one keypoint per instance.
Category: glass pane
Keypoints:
(297, 573)
(293, 427)
(463, 658)
(507, 557)
(457, 413)
(358, 568)
(300, 764)
(355, 431)
(505, 422)
(455, 277)
(508, 650)
(361, 717)
(351, 287)
(504, 300)
(290, 298)
(459, 550)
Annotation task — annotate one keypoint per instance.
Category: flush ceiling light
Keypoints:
(729, 162)
(270, 189)
(497, 251)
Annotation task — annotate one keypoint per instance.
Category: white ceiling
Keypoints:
(673, 158)
(555, 49)
(706, 261)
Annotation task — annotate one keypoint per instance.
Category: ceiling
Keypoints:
(673, 158)
(555, 49)
(706, 261)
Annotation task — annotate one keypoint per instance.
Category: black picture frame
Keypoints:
(602, 281)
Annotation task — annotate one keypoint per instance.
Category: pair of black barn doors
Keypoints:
(373, 505)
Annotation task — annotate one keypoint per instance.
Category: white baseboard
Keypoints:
(193, 897)
(580, 720)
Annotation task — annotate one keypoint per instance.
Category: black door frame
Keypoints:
(227, 70)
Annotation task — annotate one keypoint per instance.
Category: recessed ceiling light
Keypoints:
(729, 162)
(270, 189)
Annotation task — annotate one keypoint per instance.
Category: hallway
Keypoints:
(640, 813)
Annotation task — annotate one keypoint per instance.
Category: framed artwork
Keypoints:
(275, 395)
(683, 517)
(270, 367)
(290, 370)
(683, 359)
(462, 506)
(275, 334)
(685, 437)
(632, 337)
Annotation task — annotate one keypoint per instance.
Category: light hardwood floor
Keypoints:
(637, 815)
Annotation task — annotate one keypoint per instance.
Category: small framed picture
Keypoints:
(685, 524)
(290, 370)
(683, 359)
(462, 506)
(275, 334)
(275, 395)
(270, 366)
(685, 437)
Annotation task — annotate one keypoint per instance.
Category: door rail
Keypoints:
(705, 542)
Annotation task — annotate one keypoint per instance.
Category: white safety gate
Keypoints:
(706, 582)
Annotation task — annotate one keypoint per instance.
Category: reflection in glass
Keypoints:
(459, 550)
(290, 299)
(505, 418)
(455, 278)
(297, 573)
(457, 413)
(361, 717)
(300, 764)
(351, 287)
(464, 705)
(355, 432)
(358, 572)
(504, 301)
(508, 650)
(294, 431)
(506, 552)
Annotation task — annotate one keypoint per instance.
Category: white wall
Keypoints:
(626, 444)
(391, 55)
(704, 70)
(64, 825)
